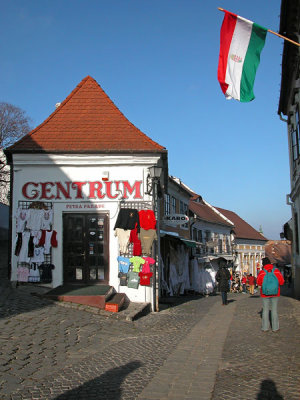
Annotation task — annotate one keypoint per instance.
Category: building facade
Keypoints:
(248, 244)
(80, 169)
(289, 112)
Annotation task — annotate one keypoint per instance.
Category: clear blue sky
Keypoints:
(157, 60)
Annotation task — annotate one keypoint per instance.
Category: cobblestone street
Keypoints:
(194, 350)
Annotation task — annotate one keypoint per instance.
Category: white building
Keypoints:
(85, 162)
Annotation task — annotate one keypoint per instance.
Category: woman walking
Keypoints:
(222, 277)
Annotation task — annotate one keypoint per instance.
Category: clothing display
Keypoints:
(145, 278)
(48, 239)
(23, 252)
(133, 280)
(123, 236)
(38, 255)
(22, 274)
(137, 262)
(146, 267)
(128, 218)
(47, 219)
(34, 240)
(34, 274)
(124, 264)
(46, 272)
(147, 219)
(34, 220)
(21, 218)
(137, 246)
(147, 237)
(18, 244)
(179, 270)
(123, 278)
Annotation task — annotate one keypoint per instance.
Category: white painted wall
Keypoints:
(62, 168)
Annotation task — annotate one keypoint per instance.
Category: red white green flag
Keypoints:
(240, 46)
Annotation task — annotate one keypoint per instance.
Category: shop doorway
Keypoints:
(85, 248)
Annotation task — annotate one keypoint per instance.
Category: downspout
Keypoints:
(282, 119)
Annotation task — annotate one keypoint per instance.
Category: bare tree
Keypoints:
(13, 125)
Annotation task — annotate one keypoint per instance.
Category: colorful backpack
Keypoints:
(270, 283)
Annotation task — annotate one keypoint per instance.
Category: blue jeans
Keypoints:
(224, 297)
(270, 303)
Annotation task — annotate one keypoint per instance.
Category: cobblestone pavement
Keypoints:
(261, 365)
(49, 351)
(53, 352)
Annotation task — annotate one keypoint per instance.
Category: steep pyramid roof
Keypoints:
(86, 121)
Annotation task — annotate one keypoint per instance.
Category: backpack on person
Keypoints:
(270, 283)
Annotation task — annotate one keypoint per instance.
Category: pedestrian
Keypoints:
(244, 281)
(223, 277)
(251, 281)
(270, 293)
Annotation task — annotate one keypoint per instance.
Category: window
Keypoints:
(200, 238)
(184, 210)
(295, 145)
(181, 210)
(174, 201)
(295, 138)
(207, 235)
(296, 233)
(167, 204)
(195, 235)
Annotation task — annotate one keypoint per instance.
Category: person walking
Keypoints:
(269, 279)
(223, 277)
(244, 282)
(251, 281)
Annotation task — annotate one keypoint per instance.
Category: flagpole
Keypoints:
(269, 30)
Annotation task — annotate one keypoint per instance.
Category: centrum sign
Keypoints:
(176, 219)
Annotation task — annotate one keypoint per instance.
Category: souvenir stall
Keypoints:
(203, 275)
(175, 276)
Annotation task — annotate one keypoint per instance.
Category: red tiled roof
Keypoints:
(206, 213)
(87, 121)
(279, 251)
(242, 229)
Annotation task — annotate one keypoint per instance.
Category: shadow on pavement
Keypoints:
(107, 386)
(173, 301)
(268, 391)
(230, 301)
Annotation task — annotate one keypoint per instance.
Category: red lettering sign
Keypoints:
(34, 193)
(74, 190)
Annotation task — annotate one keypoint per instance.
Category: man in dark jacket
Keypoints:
(222, 277)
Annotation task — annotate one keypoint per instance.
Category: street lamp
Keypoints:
(154, 177)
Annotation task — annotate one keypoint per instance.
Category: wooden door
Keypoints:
(85, 248)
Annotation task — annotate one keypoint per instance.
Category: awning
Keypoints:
(175, 235)
(166, 233)
(189, 243)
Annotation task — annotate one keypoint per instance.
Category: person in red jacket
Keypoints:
(269, 302)
(251, 281)
(244, 282)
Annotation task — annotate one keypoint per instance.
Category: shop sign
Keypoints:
(82, 190)
(176, 219)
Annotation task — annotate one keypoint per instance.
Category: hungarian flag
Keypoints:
(240, 46)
